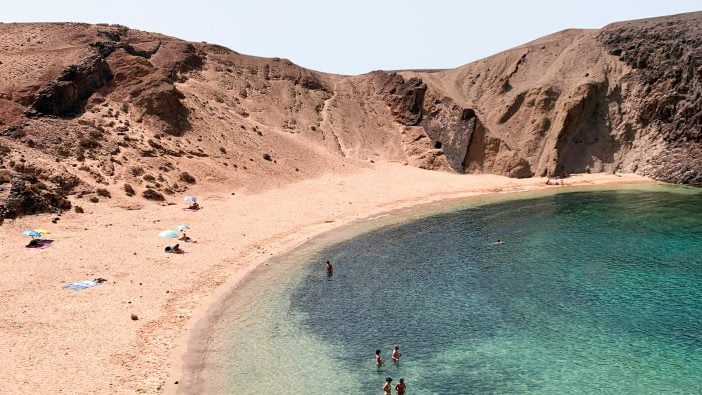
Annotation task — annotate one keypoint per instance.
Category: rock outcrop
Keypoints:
(68, 93)
(27, 197)
(405, 98)
(664, 88)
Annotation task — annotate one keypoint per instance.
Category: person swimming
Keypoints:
(330, 269)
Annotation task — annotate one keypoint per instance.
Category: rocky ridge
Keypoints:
(87, 107)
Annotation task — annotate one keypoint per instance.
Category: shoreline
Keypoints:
(188, 361)
(57, 339)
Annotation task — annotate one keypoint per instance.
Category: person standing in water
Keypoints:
(400, 387)
(378, 359)
(387, 388)
(396, 354)
(330, 269)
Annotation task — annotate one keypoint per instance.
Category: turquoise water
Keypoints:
(590, 292)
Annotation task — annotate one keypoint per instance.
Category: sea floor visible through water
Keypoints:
(590, 291)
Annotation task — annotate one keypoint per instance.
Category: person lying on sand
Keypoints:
(174, 250)
(186, 238)
(34, 243)
(194, 206)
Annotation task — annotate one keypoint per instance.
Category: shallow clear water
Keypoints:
(591, 292)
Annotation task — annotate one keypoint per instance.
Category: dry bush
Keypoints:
(129, 190)
(150, 194)
(88, 143)
(5, 176)
(103, 192)
(186, 177)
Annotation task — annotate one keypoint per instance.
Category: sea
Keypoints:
(571, 290)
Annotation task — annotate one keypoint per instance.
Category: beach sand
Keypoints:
(58, 340)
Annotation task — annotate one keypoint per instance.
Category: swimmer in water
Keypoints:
(378, 359)
(396, 354)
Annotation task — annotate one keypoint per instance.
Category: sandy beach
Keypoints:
(59, 340)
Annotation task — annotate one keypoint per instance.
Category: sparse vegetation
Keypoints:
(87, 143)
(103, 192)
(150, 194)
(5, 176)
(136, 171)
(267, 157)
(78, 209)
(129, 190)
(186, 177)
(149, 178)
(94, 199)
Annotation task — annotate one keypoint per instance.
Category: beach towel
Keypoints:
(79, 285)
(191, 209)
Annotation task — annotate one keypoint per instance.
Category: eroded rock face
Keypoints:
(163, 104)
(665, 55)
(627, 98)
(67, 94)
(405, 98)
(450, 128)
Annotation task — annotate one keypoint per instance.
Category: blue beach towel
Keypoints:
(78, 285)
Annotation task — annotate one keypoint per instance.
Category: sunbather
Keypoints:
(174, 250)
(194, 206)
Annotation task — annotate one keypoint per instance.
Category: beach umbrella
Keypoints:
(31, 233)
(182, 227)
(42, 231)
(169, 234)
(190, 198)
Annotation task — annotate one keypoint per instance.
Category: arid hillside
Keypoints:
(94, 112)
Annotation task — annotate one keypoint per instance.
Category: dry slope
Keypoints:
(103, 107)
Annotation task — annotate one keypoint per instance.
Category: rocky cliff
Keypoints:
(85, 108)
(623, 98)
